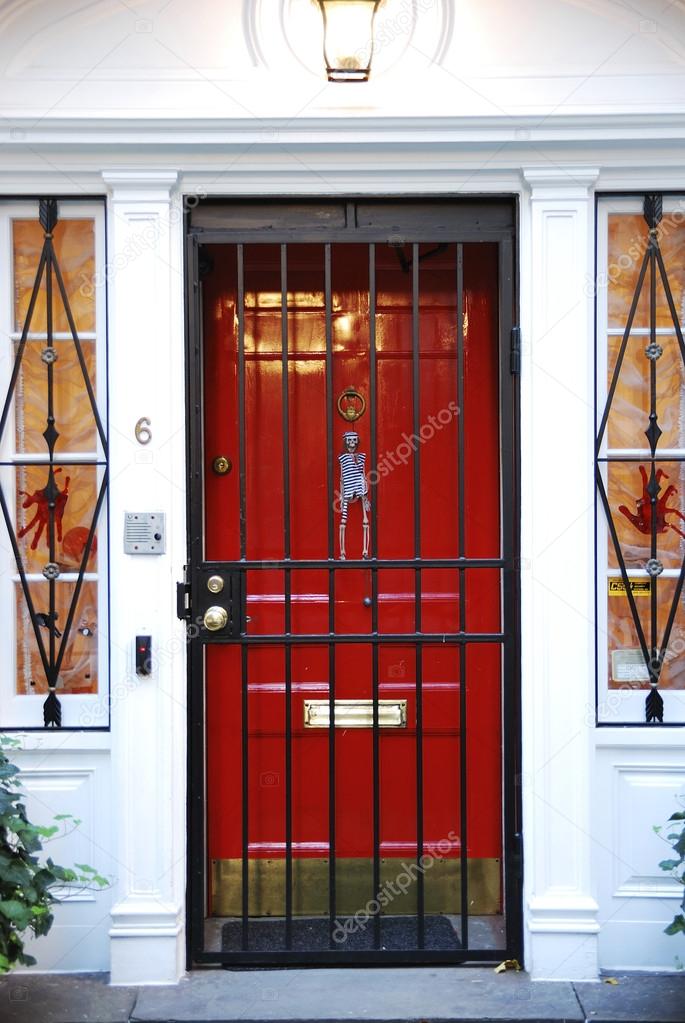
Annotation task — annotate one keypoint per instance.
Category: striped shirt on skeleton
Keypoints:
(353, 483)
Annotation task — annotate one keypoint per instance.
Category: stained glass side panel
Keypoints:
(626, 666)
(51, 376)
(75, 506)
(74, 417)
(630, 407)
(631, 508)
(79, 670)
(627, 247)
(644, 384)
(74, 242)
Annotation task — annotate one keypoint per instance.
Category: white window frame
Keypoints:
(79, 711)
(622, 706)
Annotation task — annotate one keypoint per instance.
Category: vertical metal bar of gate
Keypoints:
(653, 648)
(285, 409)
(461, 476)
(52, 679)
(328, 306)
(245, 758)
(374, 617)
(510, 588)
(416, 410)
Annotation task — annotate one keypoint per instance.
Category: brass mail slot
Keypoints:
(355, 713)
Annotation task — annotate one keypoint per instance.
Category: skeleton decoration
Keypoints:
(353, 487)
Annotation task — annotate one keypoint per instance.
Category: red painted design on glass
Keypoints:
(42, 516)
(642, 518)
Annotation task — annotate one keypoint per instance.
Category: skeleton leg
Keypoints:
(343, 525)
(365, 527)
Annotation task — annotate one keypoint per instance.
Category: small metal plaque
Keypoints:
(355, 713)
(628, 666)
(638, 587)
(144, 533)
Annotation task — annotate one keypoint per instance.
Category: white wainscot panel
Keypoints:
(636, 790)
(76, 784)
(645, 797)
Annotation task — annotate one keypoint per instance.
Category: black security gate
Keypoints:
(351, 590)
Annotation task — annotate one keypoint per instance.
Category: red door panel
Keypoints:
(456, 421)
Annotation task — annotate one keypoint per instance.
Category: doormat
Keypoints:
(311, 934)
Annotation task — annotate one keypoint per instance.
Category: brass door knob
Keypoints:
(215, 618)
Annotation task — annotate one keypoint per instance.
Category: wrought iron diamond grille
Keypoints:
(650, 517)
(51, 498)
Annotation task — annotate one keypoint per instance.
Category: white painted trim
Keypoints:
(148, 714)
(340, 131)
(557, 588)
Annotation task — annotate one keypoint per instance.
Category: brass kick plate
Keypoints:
(354, 884)
(355, 713)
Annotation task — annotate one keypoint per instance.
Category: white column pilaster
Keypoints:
(144, 268)
(558, 571)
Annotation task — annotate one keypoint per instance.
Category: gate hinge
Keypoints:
(515, 351)
(183, 610)
(517, 855)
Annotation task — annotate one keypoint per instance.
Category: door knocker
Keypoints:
(353, 487)
(351, 405)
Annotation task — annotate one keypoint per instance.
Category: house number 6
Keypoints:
(143, 431)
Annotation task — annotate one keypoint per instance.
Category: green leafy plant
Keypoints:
(29, 887)
(675, 866)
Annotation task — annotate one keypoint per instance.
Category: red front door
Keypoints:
(352, 532)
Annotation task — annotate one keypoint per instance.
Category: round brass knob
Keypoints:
(221, 465)
(215, 618)
(215, 584)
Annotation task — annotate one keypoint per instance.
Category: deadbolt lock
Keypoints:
(215, 584)
(215, 618)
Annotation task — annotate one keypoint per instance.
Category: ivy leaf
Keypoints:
(16, 912)
(677, 926)
(669, 864)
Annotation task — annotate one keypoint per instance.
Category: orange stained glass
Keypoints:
(75, 506)
(74, 242)
(628, 419)
(73, 411)
(628, 234)
(79, 670)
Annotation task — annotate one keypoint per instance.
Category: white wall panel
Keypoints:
(636, 789)
(75, 783)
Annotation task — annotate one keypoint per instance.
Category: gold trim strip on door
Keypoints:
(355, 713)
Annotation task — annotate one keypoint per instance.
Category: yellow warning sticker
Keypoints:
(638, 587)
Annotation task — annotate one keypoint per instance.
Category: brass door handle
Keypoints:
(215, 618)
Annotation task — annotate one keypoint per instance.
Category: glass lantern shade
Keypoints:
(348, 38)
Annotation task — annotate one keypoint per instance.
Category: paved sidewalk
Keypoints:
(409, 995)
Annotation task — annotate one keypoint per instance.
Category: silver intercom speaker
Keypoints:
(144, 533)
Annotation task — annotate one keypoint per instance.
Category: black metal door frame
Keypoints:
(427, 220)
